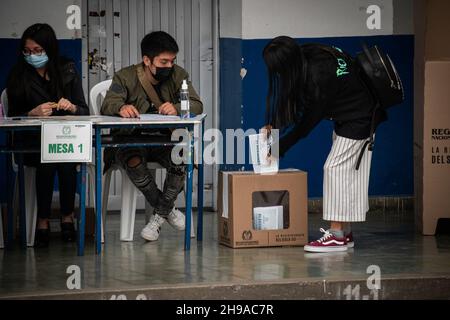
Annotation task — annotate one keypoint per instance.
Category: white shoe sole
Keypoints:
(321, 255)
(143, 235)
(350, 245)
(324, 249)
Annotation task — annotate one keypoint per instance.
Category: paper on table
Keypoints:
(157, 117)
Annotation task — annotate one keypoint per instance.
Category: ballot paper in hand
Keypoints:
(260, 151)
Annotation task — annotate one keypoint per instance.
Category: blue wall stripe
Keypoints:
(230, 88)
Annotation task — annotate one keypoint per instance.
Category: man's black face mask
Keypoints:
(163, 74)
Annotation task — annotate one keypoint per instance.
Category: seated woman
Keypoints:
(43, 84)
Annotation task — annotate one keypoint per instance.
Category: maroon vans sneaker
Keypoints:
(328, 243)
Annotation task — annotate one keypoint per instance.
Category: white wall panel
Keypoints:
(17, 15)
(123, 37)
(262, 19)
(156, 15)
(230, 18)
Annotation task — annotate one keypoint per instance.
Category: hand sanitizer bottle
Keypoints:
(184, 98)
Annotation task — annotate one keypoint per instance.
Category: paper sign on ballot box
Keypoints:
(66, 141)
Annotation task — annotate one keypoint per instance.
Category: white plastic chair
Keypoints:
(30, 187)
(97, 91)
(4, 102)
(128, 190)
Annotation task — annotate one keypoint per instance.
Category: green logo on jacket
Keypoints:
(342, 65)
(342, 68)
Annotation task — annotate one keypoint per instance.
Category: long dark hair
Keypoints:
(44, 35)
(283, 58)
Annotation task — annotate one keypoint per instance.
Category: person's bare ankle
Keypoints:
(43, 224)
(68, 218)
(336, 225)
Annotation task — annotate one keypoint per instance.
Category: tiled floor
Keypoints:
(388, 240)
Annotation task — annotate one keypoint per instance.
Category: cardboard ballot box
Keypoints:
(433, 182)
(431, 114)
(263, 210)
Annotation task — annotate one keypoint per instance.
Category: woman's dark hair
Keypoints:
(45, 36)
(283, 58)
(158, 42)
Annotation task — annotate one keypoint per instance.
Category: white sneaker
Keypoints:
(153, 228)
(177, 219)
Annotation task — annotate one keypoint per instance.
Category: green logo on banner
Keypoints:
(66, 130)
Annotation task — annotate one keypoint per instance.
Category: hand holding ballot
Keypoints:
(267, 129)
(260, 150)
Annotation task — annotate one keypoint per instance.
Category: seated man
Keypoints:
(152, 86)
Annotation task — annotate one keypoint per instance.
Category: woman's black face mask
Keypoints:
(162, 74)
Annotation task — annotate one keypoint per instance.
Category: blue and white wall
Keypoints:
(245, 28)
(15, 17)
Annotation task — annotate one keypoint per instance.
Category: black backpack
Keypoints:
(380, 75)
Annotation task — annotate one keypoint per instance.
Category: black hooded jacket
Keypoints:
(335, 91)
(37, 90)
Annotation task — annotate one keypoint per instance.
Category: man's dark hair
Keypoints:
(158, 42)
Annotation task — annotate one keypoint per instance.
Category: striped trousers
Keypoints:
(346, 190)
